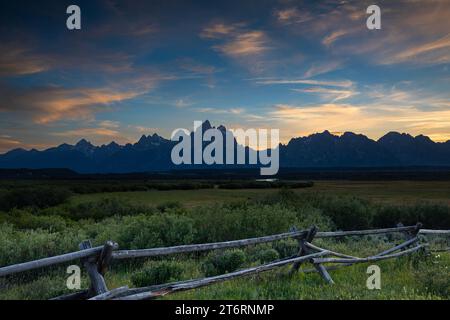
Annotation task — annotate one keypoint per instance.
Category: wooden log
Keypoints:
(362, 232)
(125, 254)
(333, 253)
(192, 284)
(414, 232)
(110, 294)
(328, 268)
(80, 295)
(323, 272)
(398, 247)
(98, 285)
(303, 249)
(165, 285)
(405, 244)
(36, 264)
(368, 259)
(106, 257)
(429, 231)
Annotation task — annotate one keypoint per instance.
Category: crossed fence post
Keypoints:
(304, 250)
(97, 266)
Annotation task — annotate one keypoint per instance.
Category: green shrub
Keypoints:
(23, 219)
(347, 213)
(242, 220)
(286, 248)
(223, 262)
(432, 215)
(169, 205)
(39, 197)
(157, 272)
(433, 277)
(266, 255)
(106, 207)
(21, 246)
(143, 231)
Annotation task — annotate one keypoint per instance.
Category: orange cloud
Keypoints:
(76, 103)
(435, 51)
(219, 30)
(333, 94)
(342, 83)
(18, 60)
(292, 15)
(372, 119)
(7, 143)
(244, 44)
(86, 132)
(328, 40)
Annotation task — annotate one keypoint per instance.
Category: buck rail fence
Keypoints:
(97, 259)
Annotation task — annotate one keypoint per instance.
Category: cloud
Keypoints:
(248, 47)
(322, 67)
(109, 124)
(292, 16)
(342, 83)
(17, 60)
(234, 111)
(88, 132)
(143, 130)
(245, 44)
(330, 94)
(334, 22)
(7, 143)
(21, 60)
(220, 30)
(182, 103)
(335, 35)
(384, 110)
(431, 52)
(195, 67)
(77, 104)
(50, 104)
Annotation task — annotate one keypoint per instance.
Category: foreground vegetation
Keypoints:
(53, 220)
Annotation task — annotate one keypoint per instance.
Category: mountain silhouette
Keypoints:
(152, 153)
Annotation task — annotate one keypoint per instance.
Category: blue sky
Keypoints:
(139, 67)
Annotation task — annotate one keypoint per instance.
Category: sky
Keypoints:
(140, 67)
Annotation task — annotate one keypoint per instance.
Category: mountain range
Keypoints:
(152, 153)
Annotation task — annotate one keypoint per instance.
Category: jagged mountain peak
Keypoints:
(113, 144)
(423, 138)
(324, 149)
(83, 143)
(396, 136)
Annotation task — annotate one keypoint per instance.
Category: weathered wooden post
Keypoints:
(106, 257)
(412, 234)
(98, 285)
(416, 231)
(304, 250)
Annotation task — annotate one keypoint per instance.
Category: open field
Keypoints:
(38, 222)
(378, 191)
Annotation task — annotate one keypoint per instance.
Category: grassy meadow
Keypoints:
(377, 191)
(40, 219)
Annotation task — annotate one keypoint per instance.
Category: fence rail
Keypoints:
(97, 259)
(46, 262)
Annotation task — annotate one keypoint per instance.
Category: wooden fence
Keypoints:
(97, 259)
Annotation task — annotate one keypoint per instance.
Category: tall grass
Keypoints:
(34, 232)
